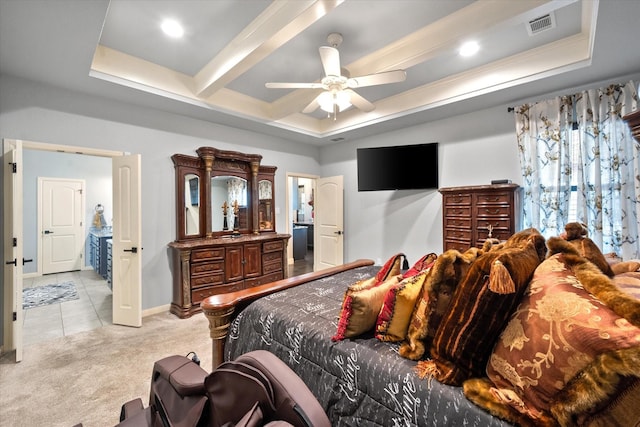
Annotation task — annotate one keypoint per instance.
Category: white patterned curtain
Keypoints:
(608, 176)
(544, 142)
(604, 167)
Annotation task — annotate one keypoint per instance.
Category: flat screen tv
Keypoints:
(402, 167)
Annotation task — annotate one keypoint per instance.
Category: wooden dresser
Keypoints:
(474, 213)
(226, 239)
(206, 267)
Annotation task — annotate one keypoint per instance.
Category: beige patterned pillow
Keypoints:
(559, 331)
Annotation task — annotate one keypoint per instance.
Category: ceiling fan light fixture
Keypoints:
(341, 99)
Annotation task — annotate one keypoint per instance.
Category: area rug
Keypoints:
(48, 294)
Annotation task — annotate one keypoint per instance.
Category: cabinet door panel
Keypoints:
(233, 263)
(252, 260)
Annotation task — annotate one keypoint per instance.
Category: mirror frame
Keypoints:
(212, 162)
(186, 165)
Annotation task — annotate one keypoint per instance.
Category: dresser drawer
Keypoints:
(457, 245)
(496, 210)
(267, 278)
(273, 256)
(275, 265)
(207, 280)
(197, 295)
(456, 222)
(457, 211)
(497, 224)
(483, 234)
(458, 234)
(207, 254)
(457, 199)
(492, 198)
(206, 267)
(273, 246)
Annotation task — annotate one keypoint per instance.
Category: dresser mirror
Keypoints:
(229, 197)
(192, 204)
(222, 193)
(265, 204)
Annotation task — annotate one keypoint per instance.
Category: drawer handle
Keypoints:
(493, 212)
(492, 199)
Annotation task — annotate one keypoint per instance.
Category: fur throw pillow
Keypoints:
(447, 270)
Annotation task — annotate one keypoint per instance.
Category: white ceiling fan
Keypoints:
(338, 86)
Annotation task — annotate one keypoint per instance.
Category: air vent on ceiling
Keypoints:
(541, 24)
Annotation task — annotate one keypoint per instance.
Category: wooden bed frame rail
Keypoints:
(220, 309)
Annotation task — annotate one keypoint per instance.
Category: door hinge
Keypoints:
(14, 167)
(15, 242)
(15, 316)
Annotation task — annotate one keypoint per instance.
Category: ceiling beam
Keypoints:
(279, 23)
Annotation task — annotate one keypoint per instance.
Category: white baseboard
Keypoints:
(156, 310)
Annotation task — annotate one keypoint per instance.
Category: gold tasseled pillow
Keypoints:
(395, 314)
(360, 308)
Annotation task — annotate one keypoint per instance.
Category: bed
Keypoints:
(362, 381)
(530, 332)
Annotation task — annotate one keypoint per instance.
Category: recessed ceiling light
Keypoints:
(172, 28)
(469, 48)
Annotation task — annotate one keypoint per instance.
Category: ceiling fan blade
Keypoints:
(330, 60)
(382, 78)
(360, 102)
(313, 106)
(294, 85)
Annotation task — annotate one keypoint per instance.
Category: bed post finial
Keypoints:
(219, 322)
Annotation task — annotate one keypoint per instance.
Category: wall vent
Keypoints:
(541, 24)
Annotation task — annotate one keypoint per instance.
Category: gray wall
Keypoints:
(380, 224)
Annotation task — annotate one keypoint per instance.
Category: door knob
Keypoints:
(48, 232)
(133, 250)
(24, 261)
(14, 262)
(339, 232)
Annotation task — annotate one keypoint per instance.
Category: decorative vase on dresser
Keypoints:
(474, 213)
(226, 239)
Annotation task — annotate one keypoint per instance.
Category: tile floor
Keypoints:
(93, 308)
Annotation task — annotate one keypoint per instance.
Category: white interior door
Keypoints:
(62, 225)
(127, 238)
(13, 244)
(329, 223)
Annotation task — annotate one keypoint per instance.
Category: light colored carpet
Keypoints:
(86, 377)
(48, 294)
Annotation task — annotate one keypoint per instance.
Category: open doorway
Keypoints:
(126, 190)
(83, 290)
(300, 223)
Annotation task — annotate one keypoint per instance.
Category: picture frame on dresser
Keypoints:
(225, 227)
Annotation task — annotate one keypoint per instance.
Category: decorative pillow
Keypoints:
(443, 277)
(357, 319)
(600, 285)
(422, 264)
(395, 314)
(481, 306)
(576, 234)
(625, 267)
(628, 283)
(563, 353)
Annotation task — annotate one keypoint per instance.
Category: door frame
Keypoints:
(41, 146)
(288, 210)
